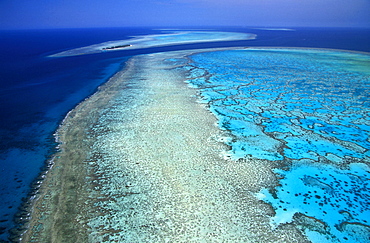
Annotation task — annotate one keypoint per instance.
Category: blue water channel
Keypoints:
(308, 109)
(37, 91)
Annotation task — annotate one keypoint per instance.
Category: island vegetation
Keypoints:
(115, 47)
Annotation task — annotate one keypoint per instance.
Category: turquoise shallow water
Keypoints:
(38, 91)
(309, 109)
(289, 104)
(168, 39)
(332, 204)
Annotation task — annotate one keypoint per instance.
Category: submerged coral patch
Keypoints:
(298, 106)
(288, 103)
(328, 200)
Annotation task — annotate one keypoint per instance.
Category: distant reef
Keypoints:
(115, 47)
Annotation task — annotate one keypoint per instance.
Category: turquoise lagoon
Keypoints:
(307, 111)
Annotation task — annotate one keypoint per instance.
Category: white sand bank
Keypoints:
(166, 39)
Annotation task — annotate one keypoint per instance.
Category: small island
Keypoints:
(115, 47)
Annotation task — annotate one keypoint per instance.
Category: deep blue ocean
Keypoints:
(37, 91)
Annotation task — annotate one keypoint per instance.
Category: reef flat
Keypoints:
(140, 162)
(167, 39)
(269, 145)
(306, 111)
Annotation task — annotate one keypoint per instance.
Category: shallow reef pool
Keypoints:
(324, 200)
(289, 103)
(306, 109)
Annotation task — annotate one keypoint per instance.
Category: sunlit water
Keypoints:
(306, 108)
(306, 112)
(170, 38)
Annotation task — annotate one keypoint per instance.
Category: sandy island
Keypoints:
(140, 161)
(159, 40)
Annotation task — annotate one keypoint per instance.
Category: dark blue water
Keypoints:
(36, 91)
